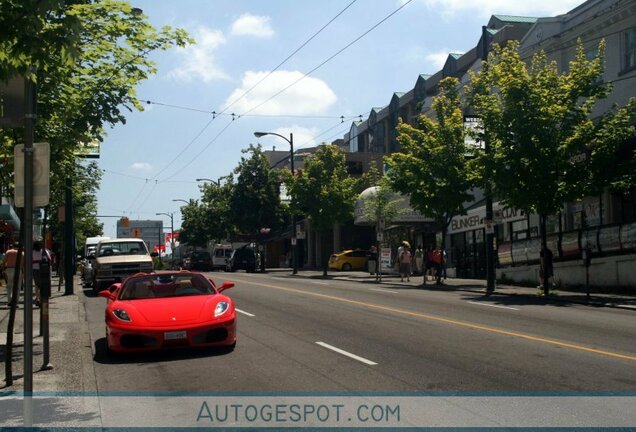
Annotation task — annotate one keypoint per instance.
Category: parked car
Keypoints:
(242, 259)
(116, 259)
(220, 254)
(349, 260)
(173, 309)
(198, 260)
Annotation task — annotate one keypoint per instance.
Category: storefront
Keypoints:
(467, 238)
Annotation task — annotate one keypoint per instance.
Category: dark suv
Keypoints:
(242, 259)
(199, 260)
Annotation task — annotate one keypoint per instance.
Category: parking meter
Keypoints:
(45, 276)
(587, 256)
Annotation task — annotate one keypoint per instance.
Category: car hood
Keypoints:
(119, 259)
(172, 311)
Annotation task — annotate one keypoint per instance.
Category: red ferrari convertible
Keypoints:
(166, 310)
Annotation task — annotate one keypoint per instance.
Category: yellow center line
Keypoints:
(449, 321)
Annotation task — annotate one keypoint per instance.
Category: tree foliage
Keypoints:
(255, 201)
(323, 191)
(431, 168)
(538, 120)
(194, 228)
(218, 215)
(86, 58)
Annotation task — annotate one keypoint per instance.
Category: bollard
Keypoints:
(45, 294)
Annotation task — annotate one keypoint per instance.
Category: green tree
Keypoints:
(323, 191)
(86, 58)
(219, 219)
(255, 201)
(537, 120)
(431, 168)
(194, 228)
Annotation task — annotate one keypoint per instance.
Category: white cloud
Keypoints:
(141, 166)
(435, 61)
(503, 7)
(198, 61)
(252, 25)
(308, 96)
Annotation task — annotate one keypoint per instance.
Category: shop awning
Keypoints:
(9, 215)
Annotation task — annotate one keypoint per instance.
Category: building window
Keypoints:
(629, 49)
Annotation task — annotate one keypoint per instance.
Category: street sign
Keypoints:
(385, 259)
(381, 224)
(41, 164)
(293, 241)
(380, 236)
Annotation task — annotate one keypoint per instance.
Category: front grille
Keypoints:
(214, 335)
(138, 341)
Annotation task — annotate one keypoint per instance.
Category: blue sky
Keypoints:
(157, 155)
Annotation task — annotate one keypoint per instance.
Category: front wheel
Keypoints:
(346, 267)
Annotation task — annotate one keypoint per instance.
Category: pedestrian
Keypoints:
(437, 264)
(405, 264)
(39, 253)
(429, 264)
(444, 259)
(419, 260)
(10, 258)
(373, 260)
(546, 270)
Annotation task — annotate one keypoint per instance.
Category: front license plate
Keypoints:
(175, 335)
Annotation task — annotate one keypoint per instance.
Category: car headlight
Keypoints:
(122, 315)
(221, 308)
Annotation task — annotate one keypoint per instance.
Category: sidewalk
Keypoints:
(621, 301)
(70, 348)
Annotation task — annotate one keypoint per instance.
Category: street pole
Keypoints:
(29, 123)
(69, 245)
(294, 239)
(490, 235)
(171, 240)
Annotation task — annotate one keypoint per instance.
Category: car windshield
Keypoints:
(165, 285)
(123, 248)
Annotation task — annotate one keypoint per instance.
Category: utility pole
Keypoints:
(490, 233)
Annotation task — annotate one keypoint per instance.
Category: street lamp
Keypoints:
(291, 161)
(218, 181)
(171, 216)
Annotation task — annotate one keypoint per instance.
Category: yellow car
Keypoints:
(349, 260)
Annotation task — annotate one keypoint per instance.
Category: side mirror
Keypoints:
(106, 294)
(114, 287)
(225, 285)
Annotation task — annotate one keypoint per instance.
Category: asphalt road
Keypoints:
(315, 335)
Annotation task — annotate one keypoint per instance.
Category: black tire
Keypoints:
(346, 267)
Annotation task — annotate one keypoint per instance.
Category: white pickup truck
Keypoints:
(115, 259)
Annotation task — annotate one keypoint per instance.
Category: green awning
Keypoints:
(8, 214)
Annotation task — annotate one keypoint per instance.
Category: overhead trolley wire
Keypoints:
(214, 114)
(328, 59)
(288, 57)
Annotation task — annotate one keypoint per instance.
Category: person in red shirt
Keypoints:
(10, 258)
